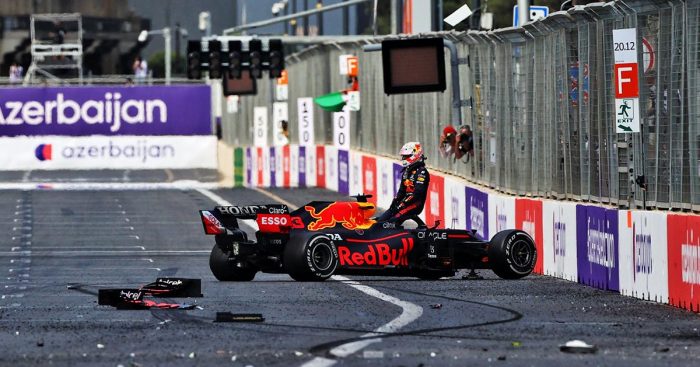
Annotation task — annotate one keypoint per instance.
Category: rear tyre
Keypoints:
(512, 254)
(226, 271)
(310, 259)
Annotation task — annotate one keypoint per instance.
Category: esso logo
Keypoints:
(274, 220)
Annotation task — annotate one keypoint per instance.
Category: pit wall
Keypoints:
(650, 255)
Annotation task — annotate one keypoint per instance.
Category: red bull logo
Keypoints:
(349, 215)
(380, 254)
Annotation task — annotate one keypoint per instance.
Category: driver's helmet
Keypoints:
(411, 152)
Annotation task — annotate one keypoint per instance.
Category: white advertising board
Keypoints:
(331, 165)
(385, 182)
(643, 255)
(559, 245)
(266, 166)
(107, 152)
(305, 109)
(355, 173)
(501, 213)
(294, 165)
(455, 204)
(310, 166)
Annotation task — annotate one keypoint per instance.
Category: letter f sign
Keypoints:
(626, 80)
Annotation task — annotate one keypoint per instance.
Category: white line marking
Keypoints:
(88, 252)
(276, 198)
(221, 201)
(84, 269)
(85, 248)
(112, 186)
(410, 312)
(25, 176)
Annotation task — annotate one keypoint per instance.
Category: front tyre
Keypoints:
(310, 259)
(512, 254)
(226, 271)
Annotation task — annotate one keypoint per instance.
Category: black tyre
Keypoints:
(225, 270)
(512, 254)
(310, 259)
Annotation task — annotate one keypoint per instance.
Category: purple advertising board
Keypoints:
(273, 168)
(478, 212)
(343, 172)
(81, 111)
(302, 166)
(597, 247)
(248, 167)
(398, 171)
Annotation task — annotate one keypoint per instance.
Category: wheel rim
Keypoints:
(322, 256)
(521, 254)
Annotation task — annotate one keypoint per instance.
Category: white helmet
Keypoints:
(411, 152)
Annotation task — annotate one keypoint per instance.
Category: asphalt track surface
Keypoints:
(58, 247)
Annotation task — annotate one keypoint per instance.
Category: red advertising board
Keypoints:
(435, 202)
(626, 80)
(684, 261)
(321, 166)
(369, 177)
(285, 166)
(259, 158)
(528, 217)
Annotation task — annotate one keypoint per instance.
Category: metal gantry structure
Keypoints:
(56, 44)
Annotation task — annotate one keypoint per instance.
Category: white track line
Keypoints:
(410, 311)
(117, 186)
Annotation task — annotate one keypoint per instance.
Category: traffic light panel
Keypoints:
(194, 52)
(256, 58)
(276, 58)
(235, 59)
(215, 60)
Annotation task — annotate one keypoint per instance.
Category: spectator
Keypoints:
(16, 71)
(140, 69)
(457, 144)
(465, 143)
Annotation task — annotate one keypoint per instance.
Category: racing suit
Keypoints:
(410, 198)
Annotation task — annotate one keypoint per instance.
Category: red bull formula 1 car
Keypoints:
(324, 238)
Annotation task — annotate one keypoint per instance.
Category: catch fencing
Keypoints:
(541, 103)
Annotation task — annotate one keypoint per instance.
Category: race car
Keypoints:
(324, 238)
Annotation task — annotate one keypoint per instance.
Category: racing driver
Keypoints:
(410, 198)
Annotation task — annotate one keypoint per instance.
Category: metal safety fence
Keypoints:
(541, 102)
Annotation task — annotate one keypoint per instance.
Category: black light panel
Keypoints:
(413, 65)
